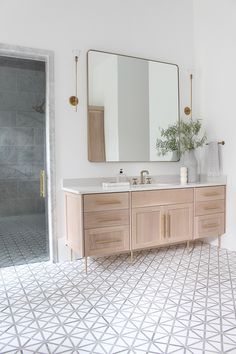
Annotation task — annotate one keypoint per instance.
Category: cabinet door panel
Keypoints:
(147, 227)
(179, 222)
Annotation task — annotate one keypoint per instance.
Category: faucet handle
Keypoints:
(134, 181)
(148, 180)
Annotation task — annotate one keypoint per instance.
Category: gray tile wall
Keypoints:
(22, 136)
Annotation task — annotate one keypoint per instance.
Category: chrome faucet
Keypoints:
(142, 177)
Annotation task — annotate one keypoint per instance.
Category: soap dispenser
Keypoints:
(121, 177)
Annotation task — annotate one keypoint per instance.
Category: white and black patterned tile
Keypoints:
(23, 239)
(167, 301)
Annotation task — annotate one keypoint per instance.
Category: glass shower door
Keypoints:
(23, 207)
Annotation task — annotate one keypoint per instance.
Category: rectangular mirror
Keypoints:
(129, 101)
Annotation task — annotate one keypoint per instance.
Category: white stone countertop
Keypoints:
(78, 188)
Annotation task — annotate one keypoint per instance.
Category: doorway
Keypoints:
(26, 230)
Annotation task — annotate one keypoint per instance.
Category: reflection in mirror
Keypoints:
(129, 101)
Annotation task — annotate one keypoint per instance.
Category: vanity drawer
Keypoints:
(210, 207)
(210, 193)
(161, 197)
(106, 240)
(106, 201)
(106, 218)
(209, 225)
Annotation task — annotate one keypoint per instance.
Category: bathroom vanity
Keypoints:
(103, 222)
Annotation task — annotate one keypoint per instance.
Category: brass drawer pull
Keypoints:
(108, 202)
(211, 194)
(210, 225)
(110, 220)
(107, 241)
(212, 208)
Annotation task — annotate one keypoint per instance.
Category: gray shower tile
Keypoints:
(11, 207)
(40, 205)
(31, 81)
(8, 155)
(25, 170)
(30, 154)
(8, 189)
(7, 207)
(13, 171)
(7, 79)
(12, 136)
(24, 136)
(30, 119)
(39, 136)
(25, 206)
(28, 189)
(8, 100)
(25, 101)
(7, 137)
(7, 118)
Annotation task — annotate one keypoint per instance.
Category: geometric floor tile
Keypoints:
(23, 239)
(166, 301)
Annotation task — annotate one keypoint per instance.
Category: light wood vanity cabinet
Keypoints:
(100, 222)
(209, 212)
(167, 217)
(107, 223)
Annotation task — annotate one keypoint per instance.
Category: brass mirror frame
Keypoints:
(133, 57)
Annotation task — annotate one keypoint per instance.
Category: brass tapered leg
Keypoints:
(86, 265)
(71, 254)
(131, 256)
(188, 249)
(219, 242)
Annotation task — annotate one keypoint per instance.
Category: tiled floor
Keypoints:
(23, 240)
(167, 301)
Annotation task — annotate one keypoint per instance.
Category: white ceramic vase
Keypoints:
(190, 162)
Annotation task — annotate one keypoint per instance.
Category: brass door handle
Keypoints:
(42, 184)
(168, 225)
(163, 225)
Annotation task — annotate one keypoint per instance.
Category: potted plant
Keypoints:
(184, 137)
(169, 141)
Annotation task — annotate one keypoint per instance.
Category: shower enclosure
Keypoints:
(23, 209)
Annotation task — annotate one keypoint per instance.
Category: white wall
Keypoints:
(155, 29)
(215, 56)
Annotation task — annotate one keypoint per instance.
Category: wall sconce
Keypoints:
(74, 101)
(189, 110)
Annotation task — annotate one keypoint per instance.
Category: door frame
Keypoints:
(47, 57)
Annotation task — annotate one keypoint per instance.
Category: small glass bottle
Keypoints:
(121, 177)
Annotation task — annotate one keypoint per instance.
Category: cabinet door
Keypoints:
(147, 227)
(179, 222)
